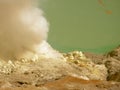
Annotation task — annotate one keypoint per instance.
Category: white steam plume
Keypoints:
(22, 28)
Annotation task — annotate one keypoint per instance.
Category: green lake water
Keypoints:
(83, 24)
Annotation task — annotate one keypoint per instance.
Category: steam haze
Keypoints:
(22, 28)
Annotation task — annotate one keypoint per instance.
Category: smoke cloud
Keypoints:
(22, 28)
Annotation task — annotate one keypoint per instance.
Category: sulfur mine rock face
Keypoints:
(48, 65)
(113, 66)
(86, 67)
(112, 62)
(52, 70)
(46, 61)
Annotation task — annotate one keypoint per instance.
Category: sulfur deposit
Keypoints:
(88, 70)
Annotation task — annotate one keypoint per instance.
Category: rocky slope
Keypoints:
(112, 62)
(70, 71)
